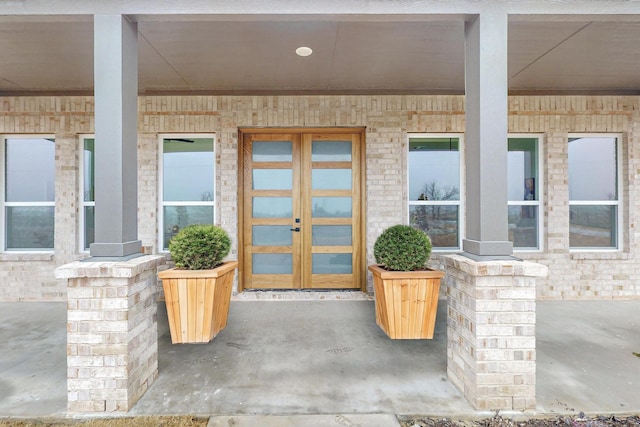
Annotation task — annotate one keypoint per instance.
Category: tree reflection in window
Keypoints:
(434, 188)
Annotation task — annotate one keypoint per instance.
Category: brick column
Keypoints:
(112, 333)
(491, 325)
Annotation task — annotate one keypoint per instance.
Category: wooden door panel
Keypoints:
(330, 202)
(272, 281)
(259, 276)
(333, 281)
(323, 158)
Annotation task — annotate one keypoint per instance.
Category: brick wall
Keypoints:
(112, 341)
(388, 120)
(491, 339)
(27, 276)
(585, 275)
(148, 192)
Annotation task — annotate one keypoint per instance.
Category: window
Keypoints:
(29, 193)
(524, 190)
(187, 184)
(434, 188)
(594, 192)
(87, 198)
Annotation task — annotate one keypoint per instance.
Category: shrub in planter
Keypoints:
(406, 291)
(199, 247)
(402, 248)
(198, 291)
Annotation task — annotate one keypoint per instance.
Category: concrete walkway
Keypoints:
(585, 357)
(300, 360)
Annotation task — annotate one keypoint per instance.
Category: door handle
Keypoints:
(297, 229)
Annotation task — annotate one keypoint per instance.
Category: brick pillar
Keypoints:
(491, 326)
(112, 333)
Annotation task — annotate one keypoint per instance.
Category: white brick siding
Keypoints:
(387, 119)
(491, 341)
(112, 339)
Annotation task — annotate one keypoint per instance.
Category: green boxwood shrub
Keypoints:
(402, 248)
(199, 247)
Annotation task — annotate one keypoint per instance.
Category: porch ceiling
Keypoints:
(190, 54)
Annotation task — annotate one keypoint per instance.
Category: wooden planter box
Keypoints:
(197, 302)
(406, 302)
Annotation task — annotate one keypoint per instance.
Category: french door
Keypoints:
(301, 205)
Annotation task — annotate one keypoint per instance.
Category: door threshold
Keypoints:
(301, 295)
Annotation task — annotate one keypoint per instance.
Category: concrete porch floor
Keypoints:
(329, 357)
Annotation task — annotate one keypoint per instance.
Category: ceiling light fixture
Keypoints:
(304, 51)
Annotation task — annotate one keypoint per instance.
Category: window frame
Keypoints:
(81, 202)
(5, 204)
(461, 177)
(162, 203)
(618, 202)
(540, 189)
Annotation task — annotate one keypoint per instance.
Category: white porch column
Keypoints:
(486, 90)
(116, 127)
(491, 344)
(112, 340)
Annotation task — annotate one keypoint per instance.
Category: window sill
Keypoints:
(613, 255)
(26, 256)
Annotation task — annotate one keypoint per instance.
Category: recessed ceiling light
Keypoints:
(304, 51)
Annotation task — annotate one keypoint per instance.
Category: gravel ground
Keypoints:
(178, 421)
(405, 421)
(498, 421)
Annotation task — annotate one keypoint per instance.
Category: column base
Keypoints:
(487, 248)
(115, 249)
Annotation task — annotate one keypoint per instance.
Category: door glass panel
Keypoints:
(331, 179)
(331, 235)
(331, 207)
(271, 235)
(271, 151)
(272, 207)
(272, 263)
(272, 179)
(331, 264)
(331, 151)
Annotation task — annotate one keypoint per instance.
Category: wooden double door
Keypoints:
(301, 209)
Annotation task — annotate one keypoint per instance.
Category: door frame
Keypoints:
(361, 261)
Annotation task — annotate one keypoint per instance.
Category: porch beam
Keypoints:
(116, 121)
(486, 92)
(357, 9)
